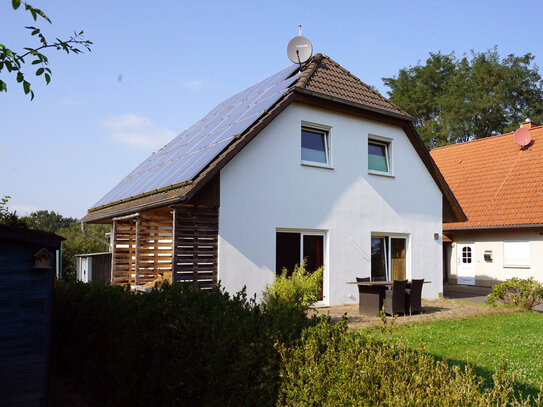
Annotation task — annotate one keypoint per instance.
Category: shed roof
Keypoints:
(178, 170)
(47, 239)
(496, 183)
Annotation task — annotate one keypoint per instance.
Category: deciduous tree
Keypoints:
(456, 100)
(13, 62)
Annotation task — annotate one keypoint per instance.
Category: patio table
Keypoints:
(371, 294)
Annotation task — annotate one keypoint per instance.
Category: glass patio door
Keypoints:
(388, 258)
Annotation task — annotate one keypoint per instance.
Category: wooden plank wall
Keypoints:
(142, 248)
(25, 311)
(196, 245)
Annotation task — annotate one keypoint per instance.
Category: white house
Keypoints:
(500, 187)
(309, 163)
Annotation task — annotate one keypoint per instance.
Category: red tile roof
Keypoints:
(495, 182)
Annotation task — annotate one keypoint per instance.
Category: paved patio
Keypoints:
(458, 302)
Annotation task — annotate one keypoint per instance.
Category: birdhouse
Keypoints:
(42, 260)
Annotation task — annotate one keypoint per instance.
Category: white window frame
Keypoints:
(318, 128)
(325, 273)
(387, 142)
(388, 259)
(509, 262)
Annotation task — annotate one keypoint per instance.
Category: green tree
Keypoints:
(456, 100)
(78, 243)
(13, 62)
(7, 217)
(50, 221)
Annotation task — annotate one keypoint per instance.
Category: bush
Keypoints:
(300, 289)
(523, 293)
(173, 346)
(331, 367)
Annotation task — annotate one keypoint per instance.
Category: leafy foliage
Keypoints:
(7, 217)
(49, 221)
(78, 243)
(300, 289)
(523, 293)
(172, 347)
(331, 367)
(456, 100)
(13, 62)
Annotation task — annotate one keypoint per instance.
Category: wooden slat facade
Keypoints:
(148, 245)
(142, 248)
(196, 245)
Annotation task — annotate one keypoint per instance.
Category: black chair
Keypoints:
(394, 300)
(362, 279)
(379, 279)
(413, 296)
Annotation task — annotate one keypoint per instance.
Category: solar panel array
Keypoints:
(192, 150)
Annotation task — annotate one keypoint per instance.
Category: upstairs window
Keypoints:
(378, 156)
(315, 146)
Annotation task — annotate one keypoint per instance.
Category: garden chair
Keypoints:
(394, 300)
(413, 296)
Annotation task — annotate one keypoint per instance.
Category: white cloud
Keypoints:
(22, 210)
(196, 84)
(137, 131)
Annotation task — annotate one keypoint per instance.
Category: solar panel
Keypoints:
(192, 150)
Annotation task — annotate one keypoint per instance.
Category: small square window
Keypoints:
(315, 146)
(378, 156)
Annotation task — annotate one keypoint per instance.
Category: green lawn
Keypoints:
(482, 342)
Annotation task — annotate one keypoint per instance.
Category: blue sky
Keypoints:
(158, 67)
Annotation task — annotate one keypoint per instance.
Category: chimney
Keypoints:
(528, 124)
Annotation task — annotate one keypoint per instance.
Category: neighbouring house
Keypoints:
(309, 163)
(500, 187)
(27, 270)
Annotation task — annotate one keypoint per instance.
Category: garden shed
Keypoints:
(27, 264)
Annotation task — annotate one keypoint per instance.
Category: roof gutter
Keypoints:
(530, 225)
(94, 237)
(133, 209)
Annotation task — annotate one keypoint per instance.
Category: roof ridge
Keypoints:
(309, 70)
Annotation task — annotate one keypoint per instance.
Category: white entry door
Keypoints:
(466, 263)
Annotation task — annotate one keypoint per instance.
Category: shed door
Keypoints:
(466, 263)
(85, 269)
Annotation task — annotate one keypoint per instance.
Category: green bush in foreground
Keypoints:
(331, 367)
(523, 293)
(175, 346)
(300, 289)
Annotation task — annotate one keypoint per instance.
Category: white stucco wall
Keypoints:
(265, 188)
(490, 272)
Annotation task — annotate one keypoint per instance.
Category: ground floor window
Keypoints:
(516, 254)
(388, 258)
(293, 247)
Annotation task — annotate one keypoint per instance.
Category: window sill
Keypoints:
(515, 267)
(382, 174)
(316, 165)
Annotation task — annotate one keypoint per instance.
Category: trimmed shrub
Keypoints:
(331, 367)
(523, 293)
(300, 289)
(173, 346)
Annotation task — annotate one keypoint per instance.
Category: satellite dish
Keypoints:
(523, 137)
(299, 49)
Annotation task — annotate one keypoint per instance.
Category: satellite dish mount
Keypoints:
(299, 49)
